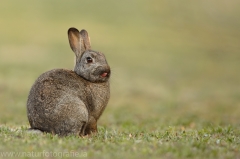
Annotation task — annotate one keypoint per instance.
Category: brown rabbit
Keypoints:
(67, 102)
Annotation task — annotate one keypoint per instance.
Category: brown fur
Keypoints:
(63, 108)
(63, 102)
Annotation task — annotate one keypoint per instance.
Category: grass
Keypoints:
(171, 142)
(175, 83)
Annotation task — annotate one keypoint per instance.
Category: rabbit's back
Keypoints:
(61, 102)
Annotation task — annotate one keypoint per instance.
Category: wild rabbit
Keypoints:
(67, 102)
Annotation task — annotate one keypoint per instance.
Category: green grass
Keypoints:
(170, 142)
(175, 84)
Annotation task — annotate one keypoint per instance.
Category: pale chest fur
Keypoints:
(98, 95)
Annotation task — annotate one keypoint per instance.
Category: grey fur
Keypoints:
(67, 102)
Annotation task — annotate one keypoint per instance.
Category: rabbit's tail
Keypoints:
(34, 131)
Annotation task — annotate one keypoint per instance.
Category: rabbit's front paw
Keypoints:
(91, 127)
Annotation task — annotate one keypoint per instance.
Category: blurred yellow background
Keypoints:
(173, 62)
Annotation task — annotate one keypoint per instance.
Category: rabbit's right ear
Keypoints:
(76, 41)
(86, 39)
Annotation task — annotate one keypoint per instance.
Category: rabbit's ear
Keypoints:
(86, 39)
(76, 41)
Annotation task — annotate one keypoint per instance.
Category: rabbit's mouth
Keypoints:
(102, 74)
(105, 74)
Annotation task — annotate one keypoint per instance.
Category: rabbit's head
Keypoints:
(91, 65)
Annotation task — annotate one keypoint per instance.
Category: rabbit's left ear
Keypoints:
(86, 39)
(79, 41)
(76, 41)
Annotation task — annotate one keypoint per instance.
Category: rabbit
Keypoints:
(66, 102)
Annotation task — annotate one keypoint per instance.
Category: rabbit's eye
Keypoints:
(89, 60)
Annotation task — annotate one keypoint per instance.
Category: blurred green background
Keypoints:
(174, 63)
